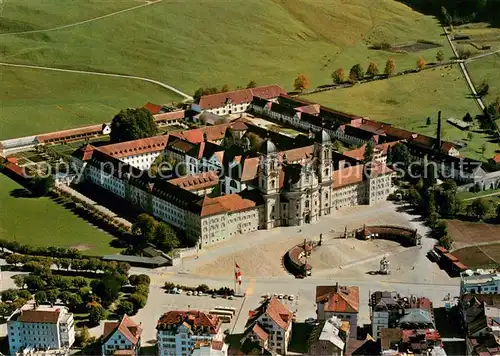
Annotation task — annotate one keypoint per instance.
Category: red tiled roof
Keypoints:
(496, 158)
(153, 108)
(192, 318)
(451, 257)
(297, 154)
(87, 130)
(250, 168)
(217, 345)
(312, 109)
(338, 299)
(173, 115)
(239, 126)
(225, 203)
(275, 311)
(260, 333)
(460, 266)
(215, 132)
(130, 330)
(136, 147)
(197, 181)
(347, 176)
(240, 96)
(39, 316)
(440, 249)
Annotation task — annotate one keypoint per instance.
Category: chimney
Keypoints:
(438, 133)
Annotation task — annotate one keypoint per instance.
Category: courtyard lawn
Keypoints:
(189, 44)
(406, 102)
(34, 101)
(42, 222)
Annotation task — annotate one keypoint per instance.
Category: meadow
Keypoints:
(228, 42)
(34, 101)
(487, 69)
(406, 102)
(42, 222)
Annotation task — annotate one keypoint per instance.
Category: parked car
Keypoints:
(189, 292)
(280, 296)
(195, 293)
(214, 296)
(179, 291)
(230, 297)
(291, 297)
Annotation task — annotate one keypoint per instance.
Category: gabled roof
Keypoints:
(276, 311)
(135, 147)
(191, 319)
(496, 158)
(153, 108)
(240, 96)
(213, 133)
(85, 153)
(260, 333)
(338, 299)
(197, 181)
(130, 330)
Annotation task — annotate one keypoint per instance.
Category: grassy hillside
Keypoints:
(406, 101)
(34, 101)
(488, 69)
(44, 223)
(191, 44)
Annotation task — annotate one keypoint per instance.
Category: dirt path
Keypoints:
(163, 85)
(80, 22)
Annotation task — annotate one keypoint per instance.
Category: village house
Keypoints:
(338, 301)
(180, 333)
(329, 337)
(269, 326)
(121, 337)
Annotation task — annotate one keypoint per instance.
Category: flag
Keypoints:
(237, 273)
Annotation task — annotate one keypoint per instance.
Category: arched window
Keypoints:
(307, 204)
(273, 182)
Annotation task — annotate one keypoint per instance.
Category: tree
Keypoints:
(368, 155)
(108, 288)
(74, 301)
(96, 314)
(446, 241)
(440, 230)
(372, 70)
(65, 297)
(468, 118)
(132, 124)
(79, 282)
(198, 94)
(470, 136)
(482, 148)
(52, 295)
(165, 237)
(421, 63)
(82, 337)
(9, 295)
(356, 73)
(301, 83)
(138, 300)
(125, 307)
(428, 122)
(138, 279)
(19, 280)
(440, 55)
(390, 67)
(480, 208)
(338, 76)
(24, 294)
(41, 186)
(400, 156)
(40, 297)
(448, 203)
(34, 283)
(225, 88)
(483, 88)
(145, 226)
(251, 84)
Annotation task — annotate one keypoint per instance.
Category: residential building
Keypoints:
(329, 338)
(235, 102)
(480, 281)
(210, 348)
(41, 328)
(338, 301)
(417, 341)
(179, 333)
(386, 309)
(418, 314)
(121, 337)
(270, 327)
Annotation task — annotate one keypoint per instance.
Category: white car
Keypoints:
(291, 297)
(189, 292)
(195, 293)
(280, 296)
(179, 291)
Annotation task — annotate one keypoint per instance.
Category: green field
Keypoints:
(406, 102)
(488, 69)
(190, 45)
(42, 222)
(34, 101)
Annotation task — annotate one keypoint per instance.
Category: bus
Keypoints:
(224, 315)
(229, 309)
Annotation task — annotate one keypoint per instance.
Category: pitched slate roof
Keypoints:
(130, 330)
(338, 299)
(240, 96)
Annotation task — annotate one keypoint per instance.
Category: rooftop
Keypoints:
(339, 299)
(192, 319)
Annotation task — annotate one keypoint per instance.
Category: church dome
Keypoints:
(267, 147)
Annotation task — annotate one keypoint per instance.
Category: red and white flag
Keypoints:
(237, 273)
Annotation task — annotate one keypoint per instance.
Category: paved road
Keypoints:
(163, 85)
(80, 22)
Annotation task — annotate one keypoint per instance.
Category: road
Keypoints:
(464, 71)
(163, 85)
(481, 56)
(80, 22)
